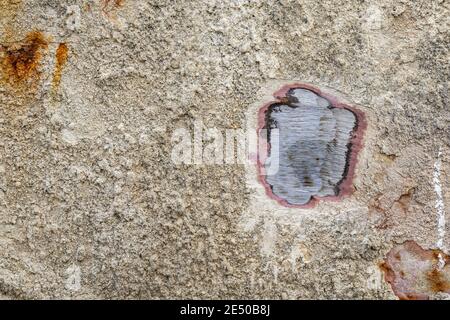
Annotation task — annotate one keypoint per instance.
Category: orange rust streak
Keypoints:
(21, 60)
(62, 54)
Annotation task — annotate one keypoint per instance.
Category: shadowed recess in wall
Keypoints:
(313, 140)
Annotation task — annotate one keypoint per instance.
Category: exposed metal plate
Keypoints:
(310, 140)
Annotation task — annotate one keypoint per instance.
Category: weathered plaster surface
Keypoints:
(91, 205)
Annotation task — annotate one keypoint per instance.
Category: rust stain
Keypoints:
(108, 5)
(438, 281)
(21, 60)
(62, 54)
(385, 268)
(414, 273)
(391, 208)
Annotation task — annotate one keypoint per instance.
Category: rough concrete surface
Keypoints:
(92, 205)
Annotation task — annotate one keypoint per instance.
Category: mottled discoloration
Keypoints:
(415, 273)
(21, 60)
(108, 5)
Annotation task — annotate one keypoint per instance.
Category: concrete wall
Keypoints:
(92, 204)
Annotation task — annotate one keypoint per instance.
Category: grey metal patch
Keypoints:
(314, 146)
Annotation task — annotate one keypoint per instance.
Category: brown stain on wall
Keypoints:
(20, 70)
(414, 273)
(21, 60)
(62, 54)
(438, 281)
(108, 5)
(389, 209)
